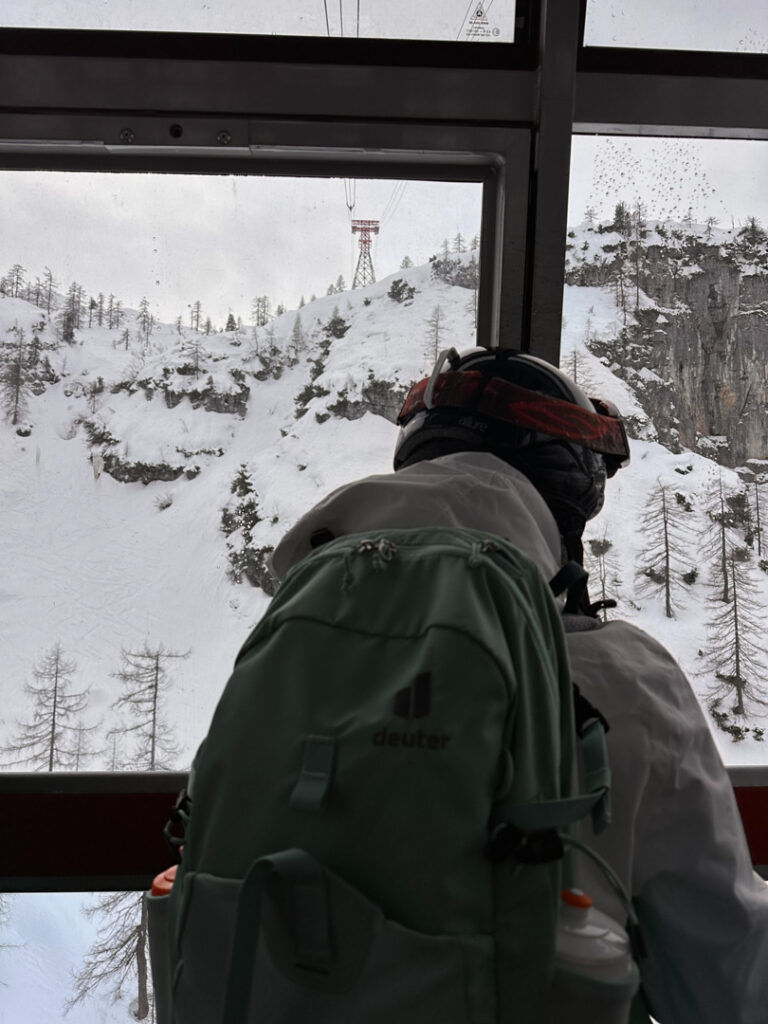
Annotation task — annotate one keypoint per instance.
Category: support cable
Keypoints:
(464, 19)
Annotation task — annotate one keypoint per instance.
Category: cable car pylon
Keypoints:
(364, 273)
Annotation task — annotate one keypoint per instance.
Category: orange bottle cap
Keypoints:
(163, 883)
(576, 898)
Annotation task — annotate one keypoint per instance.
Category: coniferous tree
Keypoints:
(50, 284)
(14, 376)
(341, 285)
(261, 310)
(82, 753)
(195, 314)
(298, 339)
(145, 680)
(725, 512)
(70, 318)
(661, 563)
(575, 365)
(407, 262)
(735, 648)
(47, 741)
(621, 278)
(758, 521)
(435, 331)
(459, 245)
(639, 226)
(602, 570)
(196, 353)
(100, 309)
(119, 956)
(231, 324)
(145, 318)
(622, 219)
(208, 326)
(337, 326)
(302, 302)
(15, 281)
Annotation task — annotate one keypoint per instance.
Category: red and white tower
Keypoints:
(364, 271)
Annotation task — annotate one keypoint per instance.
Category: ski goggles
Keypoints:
(601, 431)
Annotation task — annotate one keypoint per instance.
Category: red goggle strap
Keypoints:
(501, 400)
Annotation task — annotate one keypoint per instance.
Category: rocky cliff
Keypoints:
(694, 337)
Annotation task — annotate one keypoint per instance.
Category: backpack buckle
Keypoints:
(179, 816)
(536, 847)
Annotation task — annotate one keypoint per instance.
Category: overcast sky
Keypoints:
(396, 19)
(221, 239)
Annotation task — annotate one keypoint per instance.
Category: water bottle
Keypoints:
(595, 977)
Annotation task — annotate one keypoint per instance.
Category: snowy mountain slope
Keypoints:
(99, 560)
(102, 563)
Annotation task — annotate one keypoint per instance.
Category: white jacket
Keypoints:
(676, 841)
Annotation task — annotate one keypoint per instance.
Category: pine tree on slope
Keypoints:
(47, 742)
(665, 529)
(734, 648)
(144, 677)
(119, 957)
(14, 376)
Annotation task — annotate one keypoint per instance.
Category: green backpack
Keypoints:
(378, 812)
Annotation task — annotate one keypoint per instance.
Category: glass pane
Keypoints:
(726, 25)
(50, 939)
(483, 20)
(188, 363)
(667, 286)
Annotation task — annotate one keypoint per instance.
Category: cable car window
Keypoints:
(188, 363)
(664, 314)
(725, 25)
(450, 20)
(77, 957)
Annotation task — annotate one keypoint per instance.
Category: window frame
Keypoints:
(107, 101)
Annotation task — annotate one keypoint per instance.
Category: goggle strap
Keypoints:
(502, 400)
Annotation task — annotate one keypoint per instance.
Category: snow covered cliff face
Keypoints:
(694, 305)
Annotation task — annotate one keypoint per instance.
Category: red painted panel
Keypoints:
(753, 804)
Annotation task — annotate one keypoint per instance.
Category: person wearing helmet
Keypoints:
(500, 441)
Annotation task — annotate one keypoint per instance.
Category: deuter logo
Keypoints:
(413, 701)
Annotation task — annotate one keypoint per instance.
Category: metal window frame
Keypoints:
(504, 114)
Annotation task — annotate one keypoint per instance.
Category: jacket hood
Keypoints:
(470, 490)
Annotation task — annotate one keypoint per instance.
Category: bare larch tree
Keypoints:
(735, 647)
(49, 740)
(118, 958)
(661, 565)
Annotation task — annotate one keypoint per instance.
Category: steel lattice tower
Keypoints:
(364, 271)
